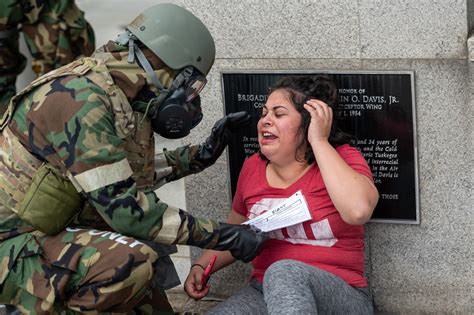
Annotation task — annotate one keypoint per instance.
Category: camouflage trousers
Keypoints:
(81, 271)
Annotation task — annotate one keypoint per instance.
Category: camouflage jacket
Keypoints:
(55, 32)
(78, 119)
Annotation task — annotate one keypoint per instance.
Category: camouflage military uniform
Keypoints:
(55, 32)
(90, 135)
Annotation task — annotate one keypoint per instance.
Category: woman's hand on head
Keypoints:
(321, 120)
(193, 286)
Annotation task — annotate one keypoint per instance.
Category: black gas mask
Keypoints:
(178, 110)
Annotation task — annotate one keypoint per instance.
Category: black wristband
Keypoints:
(194, 265)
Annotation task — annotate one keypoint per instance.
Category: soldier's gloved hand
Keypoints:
(243, 241)
(212, 148)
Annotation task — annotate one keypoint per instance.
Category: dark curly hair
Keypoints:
(303, 88)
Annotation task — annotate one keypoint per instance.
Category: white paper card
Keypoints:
(292, 211)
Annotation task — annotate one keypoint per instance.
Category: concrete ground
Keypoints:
(183, 305)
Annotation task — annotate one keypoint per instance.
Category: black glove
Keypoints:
(212, 148)
(243, 241)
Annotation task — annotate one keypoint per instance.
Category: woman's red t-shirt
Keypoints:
(326, 241)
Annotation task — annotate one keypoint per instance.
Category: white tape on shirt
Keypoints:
(104, 175)
(171, 223)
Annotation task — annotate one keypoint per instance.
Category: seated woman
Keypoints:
(315, 267)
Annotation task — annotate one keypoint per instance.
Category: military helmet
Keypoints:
(176, 36)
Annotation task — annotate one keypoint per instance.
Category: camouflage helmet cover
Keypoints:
(176, 36)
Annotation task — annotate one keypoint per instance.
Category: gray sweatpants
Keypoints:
(292, 287)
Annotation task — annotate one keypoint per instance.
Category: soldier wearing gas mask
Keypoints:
(80, 222)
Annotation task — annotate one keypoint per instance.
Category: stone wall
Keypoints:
(411, 268)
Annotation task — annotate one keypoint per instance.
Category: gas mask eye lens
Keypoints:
(195, 87)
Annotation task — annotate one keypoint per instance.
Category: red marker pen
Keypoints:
(207, 271)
